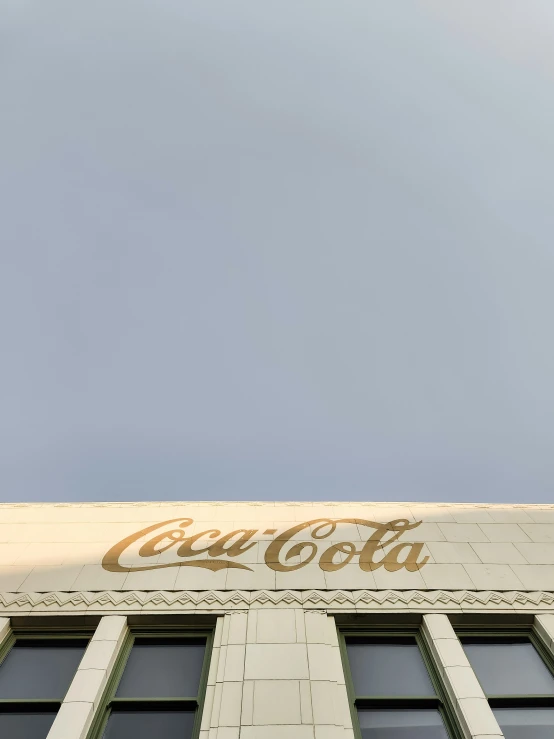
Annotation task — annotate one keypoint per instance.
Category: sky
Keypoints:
(291, 249)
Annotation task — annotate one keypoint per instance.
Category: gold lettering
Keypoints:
(326, 561)
(273, 552)
(282, 554)
(111, 562)
(237, 547)
(111, 558)
(375, 543)
(372, 545)
(392, 564)
(186, 550)
(322, 528)
(149, 549)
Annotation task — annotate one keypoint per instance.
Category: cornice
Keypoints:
(222, 600)
(280, 504)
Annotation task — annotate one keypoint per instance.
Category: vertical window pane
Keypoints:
(149, 725)
(35, 669)
(402, 723)
(25, 725)
(509, 667)
(168, 669)
(526, 723)
(381, 669)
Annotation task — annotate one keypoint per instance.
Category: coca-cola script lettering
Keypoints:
(290, 550)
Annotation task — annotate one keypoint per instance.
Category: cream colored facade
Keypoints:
(276, 579)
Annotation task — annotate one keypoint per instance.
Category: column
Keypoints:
(331, 710)
(470, 703)
(76, 713)
(224, 692)
(277, 700)
(293, 678)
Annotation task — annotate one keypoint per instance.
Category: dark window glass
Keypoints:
(25, 725)
(509, 668)
(168, 670)
(149, 725)
(526, 723)
(39, 670)
(401, 723)
(388, 669)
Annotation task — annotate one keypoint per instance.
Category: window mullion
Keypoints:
(28, 705)
(397, 702)
(521, 701)
(85, 692)
(147, 704)
(470, 704)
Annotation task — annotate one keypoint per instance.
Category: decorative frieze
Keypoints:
(232, 600)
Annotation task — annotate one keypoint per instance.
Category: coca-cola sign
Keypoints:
(171, 544)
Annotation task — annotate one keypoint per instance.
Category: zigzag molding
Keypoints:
(217, 600)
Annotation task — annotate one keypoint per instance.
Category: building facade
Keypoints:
(276, 620)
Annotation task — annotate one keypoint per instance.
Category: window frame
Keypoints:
(109, 699)
(42, 635)
(439, 701)
(515, 700)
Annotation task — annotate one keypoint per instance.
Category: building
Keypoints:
(276, 620)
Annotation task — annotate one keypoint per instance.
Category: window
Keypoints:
(157, 687)
(517, 676)
(393, 690)
(35, 673)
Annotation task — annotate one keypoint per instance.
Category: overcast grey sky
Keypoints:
(291, 249)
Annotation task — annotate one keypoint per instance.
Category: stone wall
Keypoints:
(61, 548)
